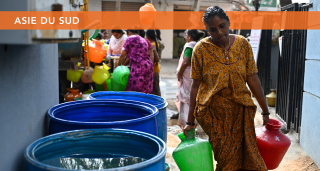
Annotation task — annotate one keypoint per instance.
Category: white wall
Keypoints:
(310, 127)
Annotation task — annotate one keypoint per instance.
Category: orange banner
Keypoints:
(177, 20)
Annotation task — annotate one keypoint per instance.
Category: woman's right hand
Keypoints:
(108, 57)
(179, 75)
(187, 128)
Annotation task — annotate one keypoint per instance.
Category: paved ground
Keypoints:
(295, 159)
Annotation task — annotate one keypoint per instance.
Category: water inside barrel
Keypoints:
(92, 163)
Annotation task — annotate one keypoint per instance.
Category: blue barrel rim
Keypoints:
(165, 106)
(74, 104)
(162, 149)
(131, 93)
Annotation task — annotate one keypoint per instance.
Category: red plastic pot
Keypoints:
(272, 143)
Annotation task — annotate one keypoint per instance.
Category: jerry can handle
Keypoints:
(191, 134)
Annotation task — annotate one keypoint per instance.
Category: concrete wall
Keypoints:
(29, 87)
(310, 127)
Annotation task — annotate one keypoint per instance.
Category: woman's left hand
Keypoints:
(265, 119)
(179, 76)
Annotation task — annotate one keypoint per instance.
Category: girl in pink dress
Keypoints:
(117, 41)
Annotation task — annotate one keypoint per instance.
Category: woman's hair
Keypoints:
(101, 31)
(153, 36)
(196, 35)
(214, 11)
(117, 29)
(99, 36)
(133, 31)
(142, 33)
(158, 34)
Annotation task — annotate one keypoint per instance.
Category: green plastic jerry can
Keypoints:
(193, 153)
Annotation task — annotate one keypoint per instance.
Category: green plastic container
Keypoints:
(193, 153)
(99, 87)
(116, 86)
(121, 74)
(109, 84)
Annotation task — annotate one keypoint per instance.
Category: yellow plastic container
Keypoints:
(74, 76)
(106, 46)
(100, 74)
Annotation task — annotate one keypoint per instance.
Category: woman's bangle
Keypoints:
(262, 113)
(190, 123)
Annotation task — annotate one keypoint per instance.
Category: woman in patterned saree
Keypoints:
(222, 65)
(138, 53)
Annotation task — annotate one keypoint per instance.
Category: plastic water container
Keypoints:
(95, 149)
(74, 76)
(117, 86)
(121, 75)
(157, 101)
(93, 114)
(193, 149)
(163, 89)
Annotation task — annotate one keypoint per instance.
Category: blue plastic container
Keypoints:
(91, 114)
(45, 154)
(157, 101)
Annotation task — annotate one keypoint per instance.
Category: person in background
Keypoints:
(138, 52)
(160, 43)
(104, 34)
(222, 66)
(99, 36)
(151, 36)
(183, 74)
(142, 33)
(117, 41)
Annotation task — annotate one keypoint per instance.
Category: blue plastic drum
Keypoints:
(93, 114)
(157, 101)
(97, 149)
